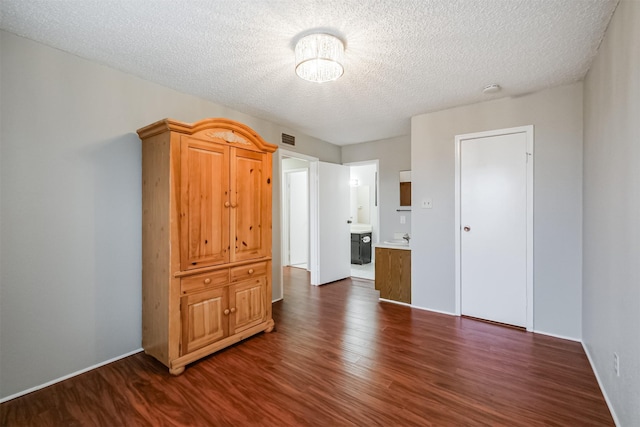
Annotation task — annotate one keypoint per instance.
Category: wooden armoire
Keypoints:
(206, 238)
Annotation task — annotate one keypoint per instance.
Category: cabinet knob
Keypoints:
(227, 204)
(234, 205)
(226, 311)
(207, 281)
(233, 310)
(250, 271)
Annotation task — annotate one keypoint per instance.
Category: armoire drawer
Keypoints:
(204, 281)
(248, 271)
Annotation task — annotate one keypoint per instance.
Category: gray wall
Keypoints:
(557, 118)
(394, 155)
(71, 207)
(611, 292)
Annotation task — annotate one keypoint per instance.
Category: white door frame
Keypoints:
(528, 130)
(313, 212)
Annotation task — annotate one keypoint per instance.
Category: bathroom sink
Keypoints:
(361, 228)
(399, 242)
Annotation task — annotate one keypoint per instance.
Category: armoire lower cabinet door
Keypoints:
(203, 318)
(248, 304)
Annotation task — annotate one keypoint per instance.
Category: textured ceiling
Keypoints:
(403, 57)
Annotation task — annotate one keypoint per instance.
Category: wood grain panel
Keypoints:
(200, 282)
(175, 329)
(203, 319)
(155, 245)
(405, 194)
(393, 274)
(204, 203)
(247, 301)
(248, 271)
(340, 357)
(247, 194)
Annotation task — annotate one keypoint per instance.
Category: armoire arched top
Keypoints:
(216, 129)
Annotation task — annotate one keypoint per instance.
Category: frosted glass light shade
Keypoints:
(319, 58)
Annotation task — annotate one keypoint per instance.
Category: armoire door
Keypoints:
(250, 208)
(204, 204)
(204, 319)
(248, 304)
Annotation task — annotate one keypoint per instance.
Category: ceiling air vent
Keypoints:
(288, 139)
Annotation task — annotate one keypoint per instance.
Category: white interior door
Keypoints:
(298, 216)
(493, 222)
(334, 256)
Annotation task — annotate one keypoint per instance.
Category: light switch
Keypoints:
(427, 203)
(403, 219)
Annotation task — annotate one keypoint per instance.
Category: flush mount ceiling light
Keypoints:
(319, 58)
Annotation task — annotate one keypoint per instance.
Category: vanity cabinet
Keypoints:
(206, 238)
(360, 248)
(393, 274)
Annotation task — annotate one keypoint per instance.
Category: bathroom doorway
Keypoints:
(364, 216)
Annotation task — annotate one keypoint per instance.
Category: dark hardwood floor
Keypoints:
(339, 357)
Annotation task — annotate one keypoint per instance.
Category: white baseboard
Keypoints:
(395, 302)
(433, 310)
(602, 389)
(276, 300)
(557, 336)
(66, 377)
(418, 308)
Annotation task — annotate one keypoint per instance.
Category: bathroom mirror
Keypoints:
(360, 199)
(405, 188)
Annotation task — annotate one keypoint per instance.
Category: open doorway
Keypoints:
(327, 214)
(364, 216)
(295, 213)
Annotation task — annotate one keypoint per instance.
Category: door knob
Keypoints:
(467, 228)
(349, 221)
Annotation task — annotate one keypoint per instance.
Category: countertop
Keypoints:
(393, 245)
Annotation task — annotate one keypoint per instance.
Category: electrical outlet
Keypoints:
(427, 204)
(403, 219)
(616, 364)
